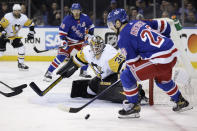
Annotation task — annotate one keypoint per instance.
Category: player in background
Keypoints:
(72, 32)
(106, 62)
(150, 54)
(10, 25)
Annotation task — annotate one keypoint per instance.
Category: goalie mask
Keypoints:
(97, 45)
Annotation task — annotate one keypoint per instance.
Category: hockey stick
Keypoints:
(42, 93)
(41, 51)
(75, 110)
(16, 90)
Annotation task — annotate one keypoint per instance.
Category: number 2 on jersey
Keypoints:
(147, 34)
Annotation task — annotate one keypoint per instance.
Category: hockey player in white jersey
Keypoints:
(10, 25)
(106, 62)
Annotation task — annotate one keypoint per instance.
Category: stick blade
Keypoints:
(21, 87)
(14, 93)
(36, 88)
(68, 109)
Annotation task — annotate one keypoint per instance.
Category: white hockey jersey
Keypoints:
(109, 62)
(12, 25)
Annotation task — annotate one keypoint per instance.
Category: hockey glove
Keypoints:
(30, 35)
(64, 44)
(3, 35)
(68, 69)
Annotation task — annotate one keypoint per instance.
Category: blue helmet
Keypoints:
(117, 14)
(75, 6)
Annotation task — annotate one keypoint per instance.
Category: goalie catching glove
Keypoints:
(68, 69)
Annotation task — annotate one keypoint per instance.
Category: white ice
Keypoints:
(30, 112)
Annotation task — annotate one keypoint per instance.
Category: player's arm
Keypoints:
(89, 26)
(161, 26)
(116, 63)
(63, 32)
(3, 24)
(79, 58)
(29, 23)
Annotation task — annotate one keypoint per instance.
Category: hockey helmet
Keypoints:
(97, 44)
(16, 7)
(116, 14)
(75, 6)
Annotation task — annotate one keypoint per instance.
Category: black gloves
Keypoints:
(3, 35)
(30, 35)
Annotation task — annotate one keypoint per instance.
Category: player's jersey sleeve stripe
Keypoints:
(80, 58)
(63, 33)
(162, 25)
(4, 22)
(28, 22)
(131, 61)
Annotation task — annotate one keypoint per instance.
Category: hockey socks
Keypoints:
(56, 62)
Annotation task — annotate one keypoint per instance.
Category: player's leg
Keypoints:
(2, 46)
(166, 83)
(80, 89)
(116, 93)
(141, 70)
(85, 88)
(17, 43)
(131, 107)
(62, 54)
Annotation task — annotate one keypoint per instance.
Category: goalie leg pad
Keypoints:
(94, 84)
(79, 89)
(116, 93)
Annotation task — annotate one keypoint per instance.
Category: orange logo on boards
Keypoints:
(192, 43)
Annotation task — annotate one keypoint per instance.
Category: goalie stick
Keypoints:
(16, 90)
(42, 93)
(75, 110)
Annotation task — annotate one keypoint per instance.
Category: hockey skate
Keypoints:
(22, 67)
(48, 77)
(182, 105)
(83, 73)
(129, 110)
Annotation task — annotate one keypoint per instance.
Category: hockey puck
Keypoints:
(87, 116)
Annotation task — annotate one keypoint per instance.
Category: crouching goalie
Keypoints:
(106, 62)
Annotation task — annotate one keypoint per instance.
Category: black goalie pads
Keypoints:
(68, 69)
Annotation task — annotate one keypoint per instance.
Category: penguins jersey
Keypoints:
(12, 25)
(109, 62)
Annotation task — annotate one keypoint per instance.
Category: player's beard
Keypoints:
(17, 15)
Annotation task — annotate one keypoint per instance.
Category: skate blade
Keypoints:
(47, 79)
(23, 69)
(135, 115)
(185, 109)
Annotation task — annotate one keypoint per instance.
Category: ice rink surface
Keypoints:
(30, 112)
